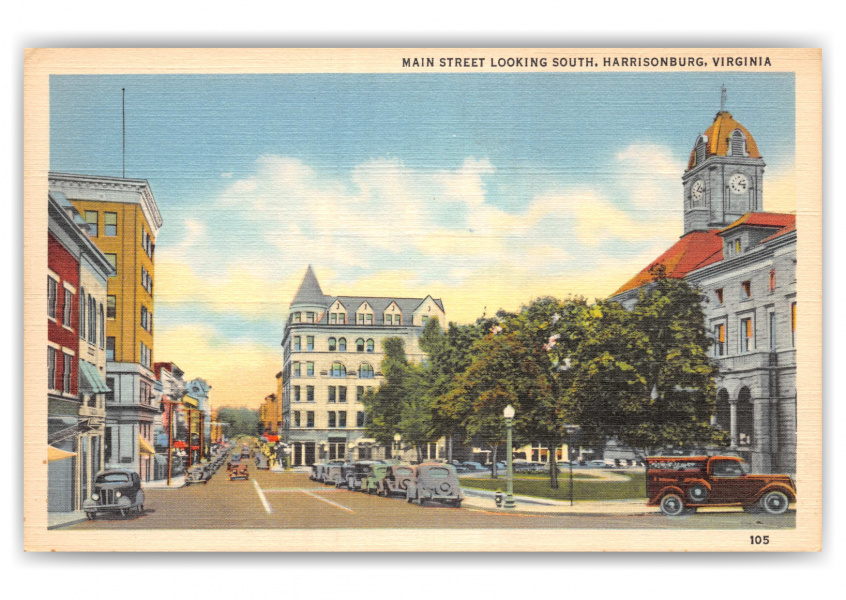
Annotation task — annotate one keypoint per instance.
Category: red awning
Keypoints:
(179, 444)
(272, 438)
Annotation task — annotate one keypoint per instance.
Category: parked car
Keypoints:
(334, 474)
(239, 470)
(375, 473)
(115, 490)
(355, 473)
(530, 467)
(198, 474)
(473, 466)
(681, 484)
(395, 482)
(601, 464)
(436, 482)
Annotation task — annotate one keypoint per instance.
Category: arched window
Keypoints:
(338, 370)
(102, 327)
(370, 345)
(92, 320)
(82, 308)
(365, 371)
(332, 344)
(342, 345)
(359, 345)
(737, 145)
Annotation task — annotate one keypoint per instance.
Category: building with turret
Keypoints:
(744, 261)
(332, 349)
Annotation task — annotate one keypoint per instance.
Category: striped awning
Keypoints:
(90, 380)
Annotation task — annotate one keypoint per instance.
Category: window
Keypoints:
(296, 367)
(296, 343)
(342, 345)
(361, 318)
(793, 324)
(52, 297)
(146, 318)
(309, 317)
(66, 372)
(359, 345)
(700, 152)
(397, 319)
(342, 394)
(332, 393)
(91, 219)
(425, 319)
(772, 331)
(342, 419)
(772, 281)
(333, 344)
(51, 368)
(338, 370)
(333, 318)
(747, 340)
(66, 308)
(368, 318)
(110, 383)
(145, 393)
(110, 348)
(112, 258)
(310, 343)
(342, 318)
(296, 393)
(370, 345)
(110, 224)
(719, 294)
(737, 144)
(365, 371)
(359, 419)
(297, 419)
(331, 419)
(310, 369)
(297, 317)
(737, 247)
(309, 393)
(146, 281)
(359, 393)
(102, 327)
(145, 355)
(92, 320)
(111, 307)
(82, 309)
(745, 290)
(720, 340)
(310, 419)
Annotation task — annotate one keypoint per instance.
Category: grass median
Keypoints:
(583, 489)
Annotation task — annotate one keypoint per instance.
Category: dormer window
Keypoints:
(364, 314)
(297, 317)
(737, 144)
(700, 150)
(737, 246)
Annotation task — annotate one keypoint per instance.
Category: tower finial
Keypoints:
(723, 98)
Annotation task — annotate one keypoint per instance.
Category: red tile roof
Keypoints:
(692, 251)
(701, 248)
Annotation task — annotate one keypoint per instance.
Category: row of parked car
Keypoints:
(202, 472)
(425, 482)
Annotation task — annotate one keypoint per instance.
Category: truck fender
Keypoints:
(775, 487)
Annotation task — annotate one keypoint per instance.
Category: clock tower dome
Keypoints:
(724, 177)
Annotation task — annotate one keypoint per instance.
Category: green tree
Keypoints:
(242, 421)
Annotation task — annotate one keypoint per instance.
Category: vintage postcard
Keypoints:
(423, 299)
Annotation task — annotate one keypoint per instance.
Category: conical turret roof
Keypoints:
(309, 291)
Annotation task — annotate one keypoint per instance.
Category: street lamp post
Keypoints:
(397, 438)
(508, 413)
(570, 429)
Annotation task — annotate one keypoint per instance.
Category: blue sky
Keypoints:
(482, 189)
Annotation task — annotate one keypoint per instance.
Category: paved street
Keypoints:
(271, 500)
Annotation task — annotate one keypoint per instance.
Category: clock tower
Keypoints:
(724, 177)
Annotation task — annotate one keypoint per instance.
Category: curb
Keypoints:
(68, 523)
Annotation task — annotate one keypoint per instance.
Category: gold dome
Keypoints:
(718, 136)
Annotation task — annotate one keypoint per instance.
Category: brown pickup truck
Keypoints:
(681, 484)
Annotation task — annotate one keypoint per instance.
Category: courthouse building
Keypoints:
(332, 355)
(744, 261)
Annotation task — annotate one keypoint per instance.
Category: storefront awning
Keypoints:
(144, 446)
(54, 454)
(90, 381)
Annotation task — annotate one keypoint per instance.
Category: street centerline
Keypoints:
(262, 498)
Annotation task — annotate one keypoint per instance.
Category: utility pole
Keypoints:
(169, 441)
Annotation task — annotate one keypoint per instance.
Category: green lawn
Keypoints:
(583, 489)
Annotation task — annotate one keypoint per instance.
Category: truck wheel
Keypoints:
(123, 512)
(698, 493)
(91, 516)
(775, 503)
(672, 505)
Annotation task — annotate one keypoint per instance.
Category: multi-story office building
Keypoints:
(76, 356)
(332, 356)
(123, 220)
(744, 261)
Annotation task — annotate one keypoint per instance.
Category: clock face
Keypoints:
(738, 183)
(697, 189)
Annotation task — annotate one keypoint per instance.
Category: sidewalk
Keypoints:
(161, 484)
(64, 519)
(484, 500)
